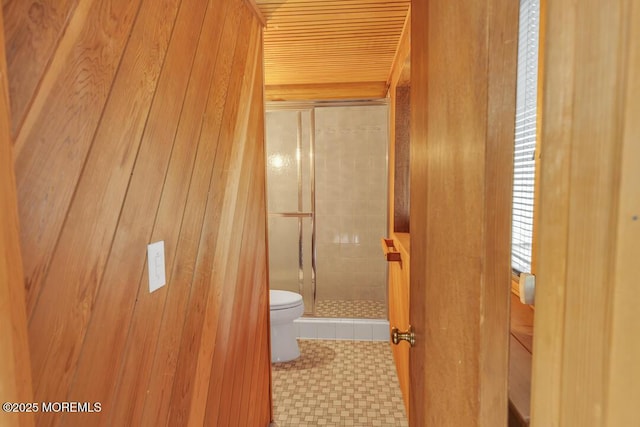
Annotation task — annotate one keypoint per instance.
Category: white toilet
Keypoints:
(285, 307)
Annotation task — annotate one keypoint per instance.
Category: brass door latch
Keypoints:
(409, 336)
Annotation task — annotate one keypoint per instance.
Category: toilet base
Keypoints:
(284, 346)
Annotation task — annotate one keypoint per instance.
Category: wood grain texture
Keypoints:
(257, 12)
(624, 371)
(502, 16)
(15, 366)
(556, 127)
(418, 150)
(519, 381)
(332, 42)
(222, 304)
(521, 347)
(391, 155)
(86, 238)
(149, 181)
(522, 316)
(542, 35)
(32, 35)
(319, 91)
(401, 161)
(166, 144)
(592, 206)
(586, 225)
(141, 368)
(398, 163)
(191, 380)
(52, 146)
(399, 282)
(230, 351)
(402, 58)
(444, 187)
(462, 117)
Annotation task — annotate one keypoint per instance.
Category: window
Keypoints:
(525, 136)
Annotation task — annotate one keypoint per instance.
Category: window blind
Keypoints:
(525, 136)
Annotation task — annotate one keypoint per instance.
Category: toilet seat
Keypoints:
(282, 300)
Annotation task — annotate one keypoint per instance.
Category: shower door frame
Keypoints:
(300, 214)
(310, 106)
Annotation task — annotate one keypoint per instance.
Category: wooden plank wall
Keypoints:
(585, 363)
(15, 366)
(138, 121)
(463, 68)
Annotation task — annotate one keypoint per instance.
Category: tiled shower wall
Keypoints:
(351, 202)
(284, 195)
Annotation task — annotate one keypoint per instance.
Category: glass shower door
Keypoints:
(290, 203)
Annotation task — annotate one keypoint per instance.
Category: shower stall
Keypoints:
(327, 205)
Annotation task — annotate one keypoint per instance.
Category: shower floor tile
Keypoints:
(359, 309)
(338, 383)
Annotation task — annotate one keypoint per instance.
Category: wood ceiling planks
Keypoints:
(341, 46)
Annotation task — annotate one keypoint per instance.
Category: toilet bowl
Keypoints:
(285, 307)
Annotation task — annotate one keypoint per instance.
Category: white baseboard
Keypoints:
(342, 329)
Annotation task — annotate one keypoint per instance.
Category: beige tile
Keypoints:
(338, 383)
(359, 309)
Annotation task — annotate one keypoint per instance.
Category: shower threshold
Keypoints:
(325, 328)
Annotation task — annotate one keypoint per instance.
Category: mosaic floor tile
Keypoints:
(358, 309)
(338, 383)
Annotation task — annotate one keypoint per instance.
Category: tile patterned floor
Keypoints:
(358, 309)
(338, 383)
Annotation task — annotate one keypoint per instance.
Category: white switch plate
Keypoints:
(155, 257)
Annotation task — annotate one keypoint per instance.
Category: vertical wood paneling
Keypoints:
(595, 181)
(417, 170)
(462, 118)
(624, 372)
(453, 215)
(556, 127)
(495, 312)
(587, 277)
(163, 142)
(15, 366)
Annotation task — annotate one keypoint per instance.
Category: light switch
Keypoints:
(155, 259)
